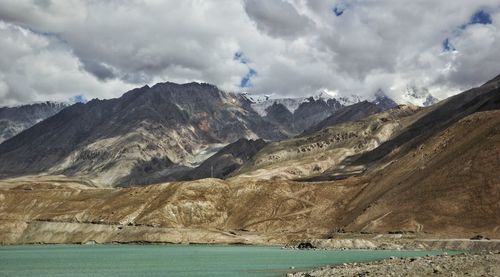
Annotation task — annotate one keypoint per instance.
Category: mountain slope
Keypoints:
(311, 154)
(436, 118)
(225, 161)
(383, 101)
(14, 120)
(448, 184)
(348, 113)
(146, 131)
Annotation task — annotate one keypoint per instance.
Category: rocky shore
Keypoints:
(480, 264)
(398, 242)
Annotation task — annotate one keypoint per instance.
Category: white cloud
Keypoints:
(35, 67)
(58, 49)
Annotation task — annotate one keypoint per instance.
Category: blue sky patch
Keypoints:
(240, 56)
(338, 11)
(481, 17)
(78, 99)
(447, 46)
(246, 81)
(340, 7)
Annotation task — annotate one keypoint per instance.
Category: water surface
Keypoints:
(172, 260)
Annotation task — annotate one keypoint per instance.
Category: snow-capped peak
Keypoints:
(418, 96)
(261, 102)
(255, 98)
(345, 100)
(382, 100)
(349, 99)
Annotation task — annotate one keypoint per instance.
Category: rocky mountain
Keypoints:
(14, 120)
(294, 115)
(348, 113)
(383, 101)
(312, 112)
(261, 103)
(298, 115)
(149, 131)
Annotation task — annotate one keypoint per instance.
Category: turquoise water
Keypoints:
(172, 260)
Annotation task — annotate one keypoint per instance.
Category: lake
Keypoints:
(173, 260)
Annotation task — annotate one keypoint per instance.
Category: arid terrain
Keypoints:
(247, 210)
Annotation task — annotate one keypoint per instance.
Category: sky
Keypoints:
(71, 50)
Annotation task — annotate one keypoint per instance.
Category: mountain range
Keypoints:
(159, 133)
(366, 169)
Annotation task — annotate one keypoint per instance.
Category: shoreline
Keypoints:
(475, 264)
(340, 244)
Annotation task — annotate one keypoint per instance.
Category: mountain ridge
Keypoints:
(15, 119)
(146, 124)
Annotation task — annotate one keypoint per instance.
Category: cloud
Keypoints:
(36, 67)
(277, 18)
(54, 50)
